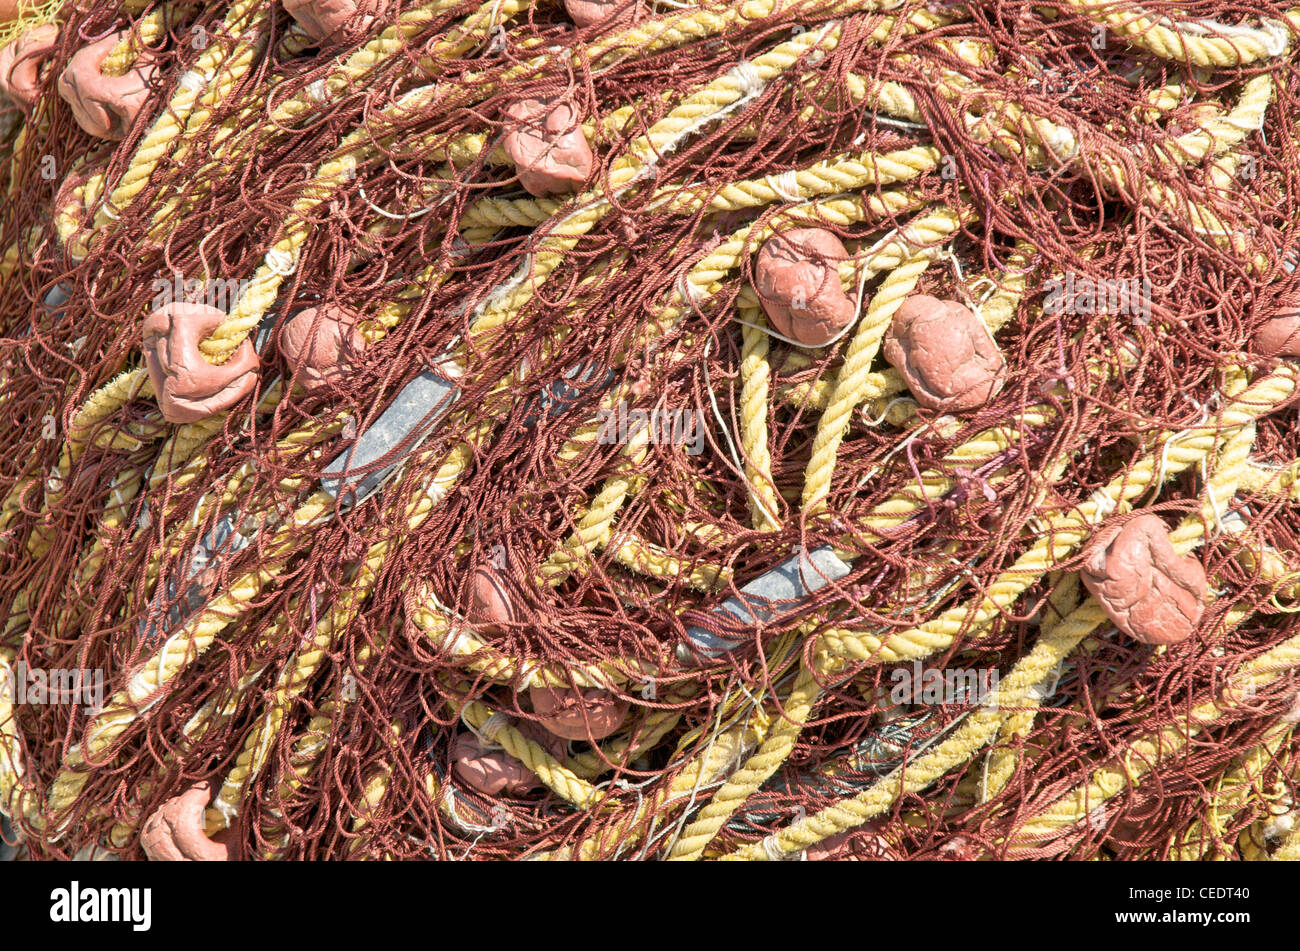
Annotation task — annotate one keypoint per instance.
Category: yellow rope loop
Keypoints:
(643, 557)
(705, 277)
(700, 108)
(764, 505)
(481, 657)
(219, 67)
(1222, 133)
(713, 101)
(557, 777)
(124, 388)
(1064, 531)
(149, 30)
(375, 790)
(595, 527)
(757, 770)
(70, 217)
(851, 384)
(719, 757)
(99, 406)
(1200, 43)
(654, 728)
(816, 394)
(974, 733)
(179, 451)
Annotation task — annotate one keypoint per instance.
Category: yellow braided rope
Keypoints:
(193, 638)
(850, 385)
(1144, 754)
(757, 770)
(1056, 642)
(227, 64)
(1064, 531)
(1000, 764)
(1234, 46)
(557, 777)
(755, 374)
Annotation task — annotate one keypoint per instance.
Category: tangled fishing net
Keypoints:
(646, 430)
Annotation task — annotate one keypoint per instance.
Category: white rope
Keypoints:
(195, 81)
(281, 262)
(1272, 34)
(747, 75)
(773, 851)
(492, 726)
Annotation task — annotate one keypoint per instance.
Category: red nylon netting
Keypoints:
(96, 554)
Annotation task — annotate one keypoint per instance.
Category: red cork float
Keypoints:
(320, 344)
(945, 353)
(189, 388)
(1150, 593)
(615, 12)
(1280, 334)
(106, 106)
(327, 19)
(66, 200)
(495, 772)
(544, 139)
(22, 61)
(587, 714)
(861, 844)
(490, 606)
(174, 833)
(798, 282)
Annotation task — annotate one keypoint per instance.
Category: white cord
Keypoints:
(281, 262)
(785, 184)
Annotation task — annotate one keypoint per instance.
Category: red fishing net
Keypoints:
(359, 667)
